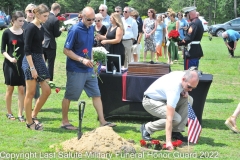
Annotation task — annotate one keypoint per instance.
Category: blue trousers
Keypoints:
(191, 62)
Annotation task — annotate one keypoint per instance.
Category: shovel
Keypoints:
(81, 107)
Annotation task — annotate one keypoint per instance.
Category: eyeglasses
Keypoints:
(163, 17)
(101, 10)
(125, 11)
(97, 20)
(149, 12)
(89, 19)
(30, 11)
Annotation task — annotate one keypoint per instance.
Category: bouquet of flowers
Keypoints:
(156, 145)
(99, 57)
(173, 36)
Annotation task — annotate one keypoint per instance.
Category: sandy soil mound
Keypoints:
(100, 140)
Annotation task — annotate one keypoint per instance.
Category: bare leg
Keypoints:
(46, 91)
(30, 91)
(135, 57)
(152, 55)
(97, 103)
(235, 114)
(21, 97)
(165, 51)
(144, 56)
(9, 98)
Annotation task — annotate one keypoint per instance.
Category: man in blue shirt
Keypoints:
(78, 49)
(230, 38)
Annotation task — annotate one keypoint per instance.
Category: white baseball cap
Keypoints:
(189, 9)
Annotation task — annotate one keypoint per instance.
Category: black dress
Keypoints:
(13, 73)
(102, 31)
(117, 48)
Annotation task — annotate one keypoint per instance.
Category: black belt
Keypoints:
(126, 39)
(147, 97)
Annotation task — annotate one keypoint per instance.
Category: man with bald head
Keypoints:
(80, 68)
(193, 50)
(230, 38)
(167, 98)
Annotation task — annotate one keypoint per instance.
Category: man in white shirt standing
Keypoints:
(130, 33)
(106, 18)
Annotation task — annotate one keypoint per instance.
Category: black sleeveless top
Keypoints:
(117, 48)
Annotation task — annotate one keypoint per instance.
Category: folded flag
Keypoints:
(194, 127)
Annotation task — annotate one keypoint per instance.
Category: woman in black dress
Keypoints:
(113, 38)
(12, 39)
(34, 66)
(99, 28)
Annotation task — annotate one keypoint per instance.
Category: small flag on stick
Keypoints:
(194, 127)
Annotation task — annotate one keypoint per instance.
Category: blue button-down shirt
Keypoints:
(106, 21)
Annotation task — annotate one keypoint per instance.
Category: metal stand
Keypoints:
(81, 107)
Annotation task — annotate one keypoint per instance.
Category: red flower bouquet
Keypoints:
(156, 145)
(174, 35)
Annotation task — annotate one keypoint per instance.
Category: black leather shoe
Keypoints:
(151, 62)
(179, 136)
(145, 134)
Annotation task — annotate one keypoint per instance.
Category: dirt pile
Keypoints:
(100, 140)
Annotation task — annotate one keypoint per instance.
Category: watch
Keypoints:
(32, 68)
(81, 60)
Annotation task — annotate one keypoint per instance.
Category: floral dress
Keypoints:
(149, 43)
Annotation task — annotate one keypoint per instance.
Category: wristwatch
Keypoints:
(81, 60)
(32, 68)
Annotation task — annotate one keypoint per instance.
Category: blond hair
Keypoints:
(30, 6)
(55, 6)
(118, 21)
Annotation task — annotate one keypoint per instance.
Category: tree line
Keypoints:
(214, 11)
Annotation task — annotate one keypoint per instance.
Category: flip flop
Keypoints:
(69, 127)
(109, 124)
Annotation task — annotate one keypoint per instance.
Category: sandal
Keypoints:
(36, 127)
(36, 120)
(21, 119)
(10, 116)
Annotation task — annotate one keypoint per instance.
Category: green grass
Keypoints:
(216, 138)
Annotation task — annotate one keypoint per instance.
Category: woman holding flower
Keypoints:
(12, 39)
(172, 48)
(34, 66)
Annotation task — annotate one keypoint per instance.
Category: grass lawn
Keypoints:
(216, 140)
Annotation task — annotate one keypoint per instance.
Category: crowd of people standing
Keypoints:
(29, 48)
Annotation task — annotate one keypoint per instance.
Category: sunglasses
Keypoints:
(163, 17)
(125, 11)
(89, 19)
(79, 17)
(190, 87)
(101, 10)
(117, 11)
(97, 20)
(30, 11)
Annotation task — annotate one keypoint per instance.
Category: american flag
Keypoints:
(194, 127)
